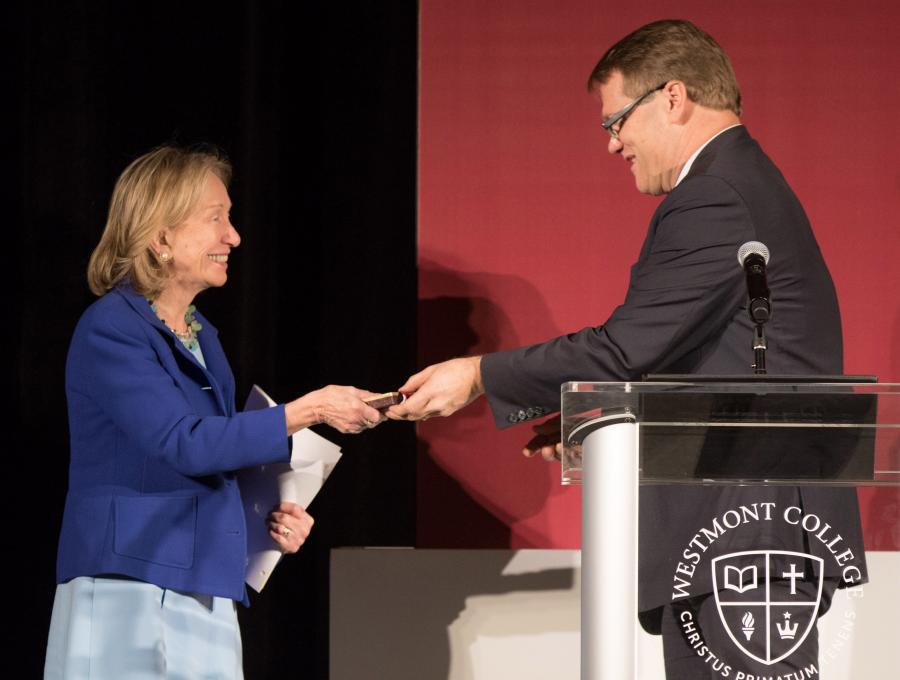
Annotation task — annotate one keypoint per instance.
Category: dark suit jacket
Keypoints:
(154, 440)
(686, 312)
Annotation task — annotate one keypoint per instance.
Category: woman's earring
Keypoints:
(164, 256)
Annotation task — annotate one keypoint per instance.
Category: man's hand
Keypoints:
(546, 441)
(439, 390)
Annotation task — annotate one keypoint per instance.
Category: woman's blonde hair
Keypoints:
(156, 191)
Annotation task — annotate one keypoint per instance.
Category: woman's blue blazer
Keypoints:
(155, 440)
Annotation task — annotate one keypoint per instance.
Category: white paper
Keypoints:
(312, 459)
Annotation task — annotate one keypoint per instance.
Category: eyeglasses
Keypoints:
(621, 115)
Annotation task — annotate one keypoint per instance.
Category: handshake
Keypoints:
(439, 390)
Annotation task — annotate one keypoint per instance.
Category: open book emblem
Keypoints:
(740, 580)
(767, 600)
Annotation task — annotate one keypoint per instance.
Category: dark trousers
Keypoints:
(697, 644)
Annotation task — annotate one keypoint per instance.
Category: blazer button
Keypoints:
(538, 411)
(531, 413)
(512, 418)
(522, 414)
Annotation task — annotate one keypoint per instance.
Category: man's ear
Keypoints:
(677, 101)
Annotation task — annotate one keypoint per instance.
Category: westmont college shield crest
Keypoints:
(767, 600)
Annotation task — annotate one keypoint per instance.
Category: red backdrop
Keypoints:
(527, 228)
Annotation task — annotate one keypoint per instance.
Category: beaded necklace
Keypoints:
(188, 338)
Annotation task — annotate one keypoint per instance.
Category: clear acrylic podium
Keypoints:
(618, 436)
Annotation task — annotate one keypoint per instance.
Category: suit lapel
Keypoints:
(708, 155)
(700, 165)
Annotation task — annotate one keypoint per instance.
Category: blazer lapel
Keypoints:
(216, 370)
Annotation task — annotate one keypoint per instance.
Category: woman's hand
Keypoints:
(340, 407)
(289, 525)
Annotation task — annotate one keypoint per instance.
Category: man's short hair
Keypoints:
(672, 49)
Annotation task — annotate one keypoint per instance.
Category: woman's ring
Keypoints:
(285, 532)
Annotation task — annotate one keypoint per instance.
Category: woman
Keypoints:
(153, 548)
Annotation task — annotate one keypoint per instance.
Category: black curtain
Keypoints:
(315, 103)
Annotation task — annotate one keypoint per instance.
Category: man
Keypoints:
(671, 105)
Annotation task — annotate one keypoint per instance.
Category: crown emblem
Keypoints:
(786, 631)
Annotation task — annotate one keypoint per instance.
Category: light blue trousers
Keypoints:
(105, 629)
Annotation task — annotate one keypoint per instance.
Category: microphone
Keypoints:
(753, 257)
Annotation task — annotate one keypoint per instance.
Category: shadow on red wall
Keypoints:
(490, 508)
